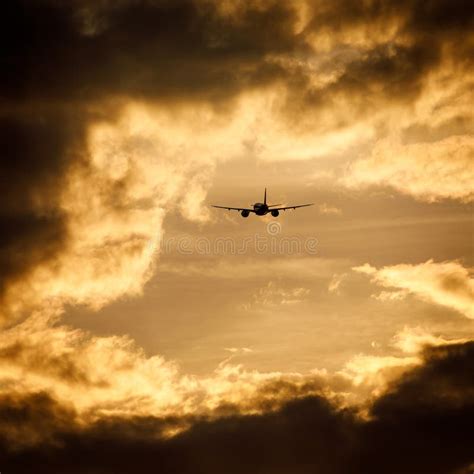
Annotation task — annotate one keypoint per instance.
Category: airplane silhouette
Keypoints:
(262, 208)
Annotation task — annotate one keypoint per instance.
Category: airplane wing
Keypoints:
(234, 208)
(291, 207)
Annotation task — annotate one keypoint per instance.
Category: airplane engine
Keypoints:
(275, 213)
(245, 213)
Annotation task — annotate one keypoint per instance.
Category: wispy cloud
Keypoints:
(448, 283)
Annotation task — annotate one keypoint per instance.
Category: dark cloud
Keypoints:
(82, 51)
(30, 419)
(36, 150)
(87, 50)
(45, 361)
(399, 42)
(422, 424)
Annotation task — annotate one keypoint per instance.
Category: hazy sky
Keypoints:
(142, 328)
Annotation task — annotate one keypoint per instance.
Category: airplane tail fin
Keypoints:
(265, 196)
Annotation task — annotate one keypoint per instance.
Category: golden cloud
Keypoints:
(426, 171)
(102, 377)
(445, 283)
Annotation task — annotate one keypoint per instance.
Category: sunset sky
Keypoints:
(143, 330)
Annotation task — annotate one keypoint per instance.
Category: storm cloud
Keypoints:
(420, 424)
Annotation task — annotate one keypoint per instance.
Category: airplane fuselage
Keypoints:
(260, 208)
